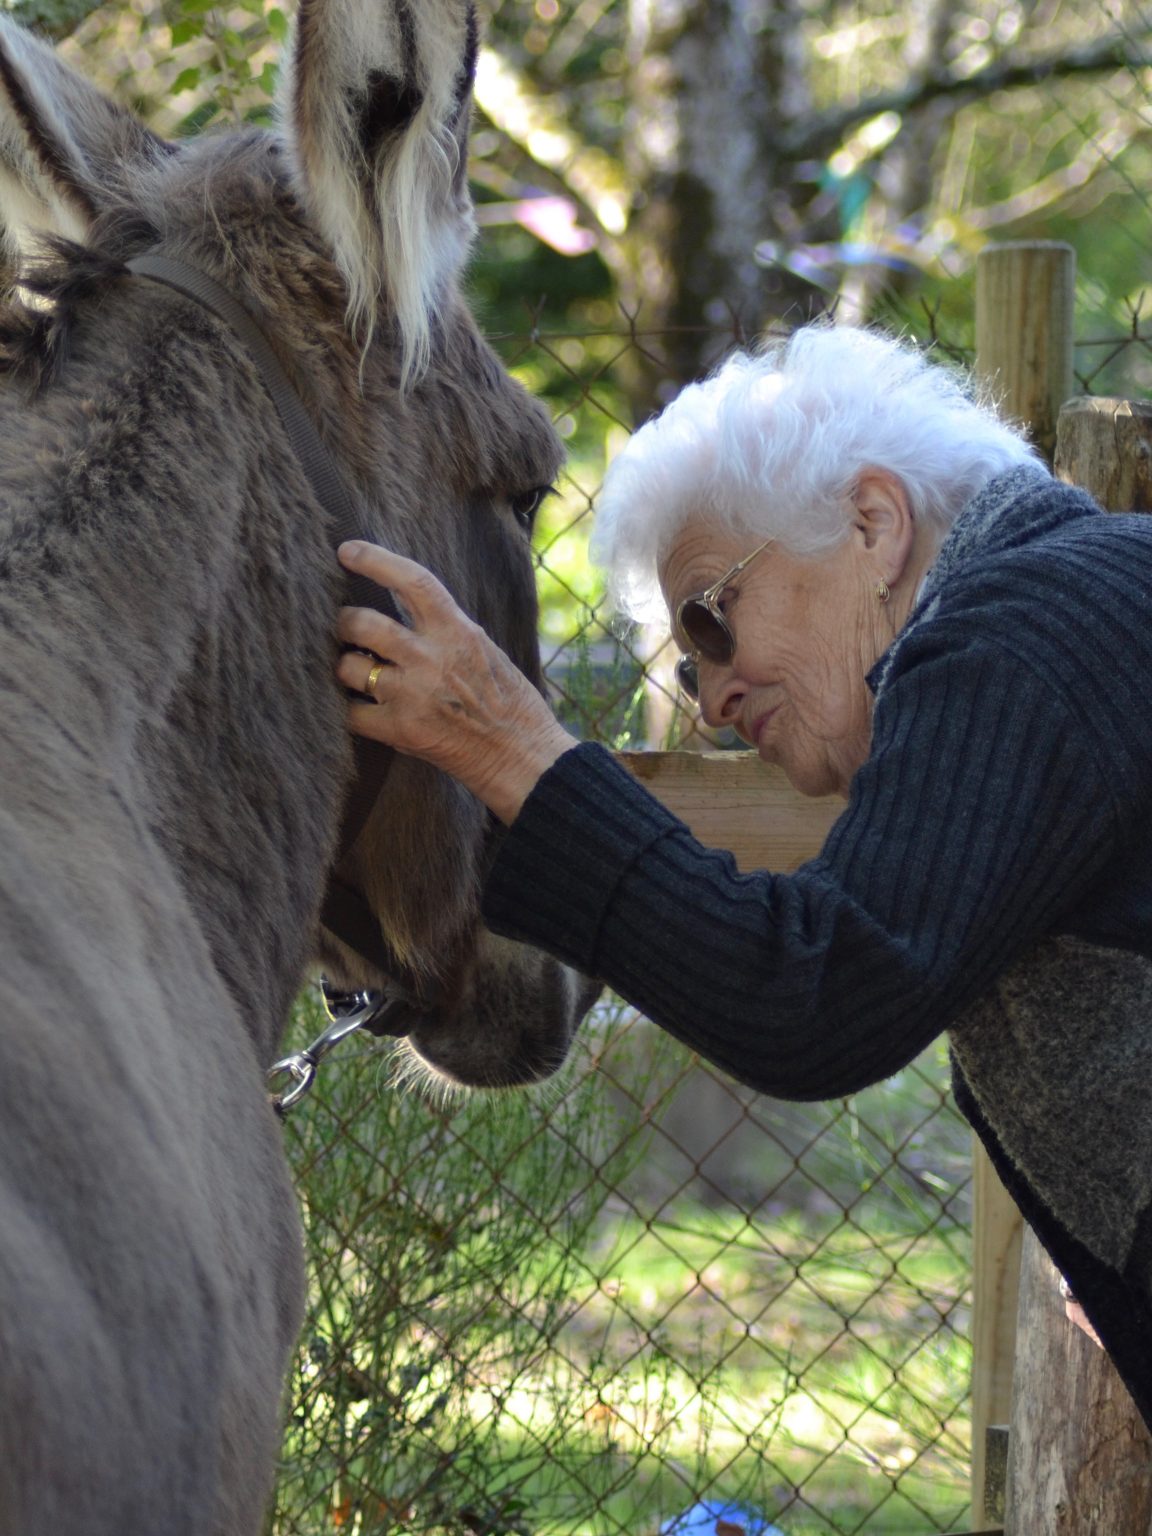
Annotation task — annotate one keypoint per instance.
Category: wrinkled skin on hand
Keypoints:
(445, 692)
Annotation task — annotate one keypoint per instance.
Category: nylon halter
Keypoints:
(344, 913)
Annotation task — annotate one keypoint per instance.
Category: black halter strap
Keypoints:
(345, 913)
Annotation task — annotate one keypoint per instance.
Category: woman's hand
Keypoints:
(446, 693)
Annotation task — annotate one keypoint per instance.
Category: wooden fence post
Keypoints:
(1024, 333)
(1079, 1455)
(1025, 292)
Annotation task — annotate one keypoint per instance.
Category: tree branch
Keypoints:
(822, 133)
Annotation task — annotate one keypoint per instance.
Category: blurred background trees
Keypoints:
(656, 179)
(744, 161)
(734, 162)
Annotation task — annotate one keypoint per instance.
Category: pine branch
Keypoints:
(820, 134)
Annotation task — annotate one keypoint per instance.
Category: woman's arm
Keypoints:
(978, 823)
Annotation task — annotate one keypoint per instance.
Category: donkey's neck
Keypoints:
(174, 593)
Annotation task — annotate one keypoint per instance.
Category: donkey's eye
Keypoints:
(526, 505)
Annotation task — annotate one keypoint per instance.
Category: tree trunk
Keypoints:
(905, 176)
(711, 82)
(1079, 1456)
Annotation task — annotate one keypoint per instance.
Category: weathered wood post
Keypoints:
(1024, 334)
(1079, 1455)
(1025, 313)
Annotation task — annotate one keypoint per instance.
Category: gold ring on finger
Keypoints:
(374, 676)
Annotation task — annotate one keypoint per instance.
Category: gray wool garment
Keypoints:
(991, 876)
(1081, 1137)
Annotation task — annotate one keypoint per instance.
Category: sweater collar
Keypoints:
(1011, 510)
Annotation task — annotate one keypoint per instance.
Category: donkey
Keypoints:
(173, 749)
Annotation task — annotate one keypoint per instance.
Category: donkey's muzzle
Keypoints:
(396, 1016)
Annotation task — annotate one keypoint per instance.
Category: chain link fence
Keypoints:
(641, 1299)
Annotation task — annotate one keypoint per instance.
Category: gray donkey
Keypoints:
(173, 751)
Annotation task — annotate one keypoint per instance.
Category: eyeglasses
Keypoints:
(701, 621)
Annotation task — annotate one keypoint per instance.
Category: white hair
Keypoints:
(774, 443)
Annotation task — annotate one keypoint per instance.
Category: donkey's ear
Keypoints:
(65, 149)
(375, 104)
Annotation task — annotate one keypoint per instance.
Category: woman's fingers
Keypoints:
(425, 598)
(369, 630)
(363, 673)
(442, 690)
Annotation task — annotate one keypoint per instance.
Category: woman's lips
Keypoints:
(759, 723)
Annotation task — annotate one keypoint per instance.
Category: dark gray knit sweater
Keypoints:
(991, 875)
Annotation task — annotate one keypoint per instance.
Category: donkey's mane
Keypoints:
(38, 314)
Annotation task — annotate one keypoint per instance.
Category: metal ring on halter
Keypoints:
(374, 676)
(301, 1071)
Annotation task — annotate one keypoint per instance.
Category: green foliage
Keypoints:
(512, 1330)
(446, 1249)
(221, 61)
(52, 18)
(599, 693)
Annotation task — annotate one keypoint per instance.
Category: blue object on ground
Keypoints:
(703, 1518)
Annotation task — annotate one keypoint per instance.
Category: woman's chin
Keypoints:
(811, 778)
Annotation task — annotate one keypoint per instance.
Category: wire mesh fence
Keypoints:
(601, 1307)
(641, 1299)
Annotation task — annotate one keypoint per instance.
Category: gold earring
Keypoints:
(882, 591)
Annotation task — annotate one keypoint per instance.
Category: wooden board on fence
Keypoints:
(732, 800)
(997, 1232)
(1024, 330)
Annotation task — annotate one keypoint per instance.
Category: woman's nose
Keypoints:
(721, 695)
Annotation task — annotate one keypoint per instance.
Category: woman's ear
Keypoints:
(884, 523)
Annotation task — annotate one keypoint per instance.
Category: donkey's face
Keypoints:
(344, 233)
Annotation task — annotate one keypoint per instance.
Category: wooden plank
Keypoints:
(1025, 301)
(732, 800)
(995, 1471)
(997, 1233)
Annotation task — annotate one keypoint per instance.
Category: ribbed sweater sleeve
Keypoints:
(979, 821)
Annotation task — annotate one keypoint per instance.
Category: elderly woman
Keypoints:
(879, 587)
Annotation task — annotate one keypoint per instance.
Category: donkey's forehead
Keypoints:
(479, 424)
(218, 165)
(509, 442)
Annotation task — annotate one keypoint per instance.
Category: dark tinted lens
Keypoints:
(705, 631)
(688, 676)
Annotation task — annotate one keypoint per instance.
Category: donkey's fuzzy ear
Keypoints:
(375, 105)
(66, 150)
